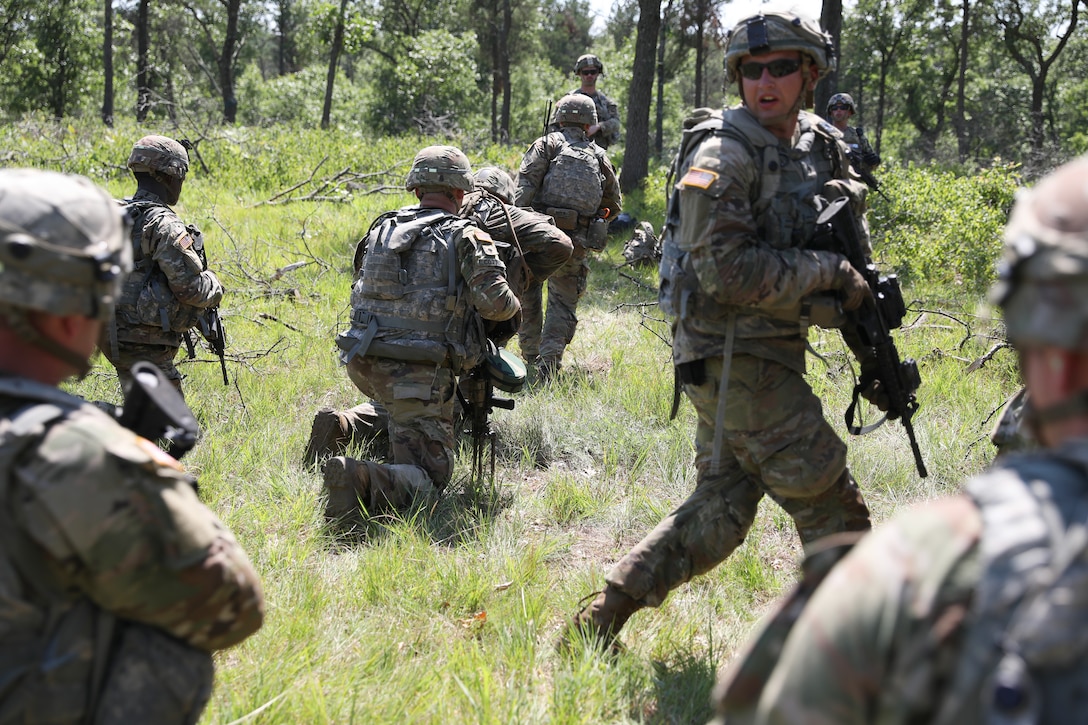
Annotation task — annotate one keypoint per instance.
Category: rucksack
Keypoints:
(574, 179)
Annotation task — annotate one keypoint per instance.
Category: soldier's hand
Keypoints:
(871, 159)
(875, 392)
(855, 290)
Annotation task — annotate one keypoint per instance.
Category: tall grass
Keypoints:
(449, 613)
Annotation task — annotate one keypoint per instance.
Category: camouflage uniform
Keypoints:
(546, 338)
(863, 155)
(116, 583)
(167, 291)
(608, 115)
(970, 609)
(426, 280)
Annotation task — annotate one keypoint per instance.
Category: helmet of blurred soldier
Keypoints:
(159, 154)
(842, 99)
(577, 109)
(497, 181)
(1043, 281)
(771, 31)
(588, 61)
(439, 168)
(62, 246)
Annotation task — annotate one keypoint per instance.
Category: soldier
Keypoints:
(425, 281)
(840, 107)
(736, 279)
(171, 285)
(970, 609)
(565, 175)
(531, 247)
(117, 583)
(605, 131)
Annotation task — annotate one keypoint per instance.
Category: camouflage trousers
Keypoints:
(546, 337)
(130, 353)
(777, 444)
(419, 399)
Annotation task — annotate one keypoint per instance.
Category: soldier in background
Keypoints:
(171, 286)
(427, 281)
(565, 175)
(971, 609)
(605, 131)
(116, 582)
(840, 107)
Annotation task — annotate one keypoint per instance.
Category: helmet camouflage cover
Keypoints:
(1043, 284)
(62, 247)
(440, 167)
(768, 32)
(844, 99)
(161, 154)
(576, 108)
(497, 181)
(588, 61)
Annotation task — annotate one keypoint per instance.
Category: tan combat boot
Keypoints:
(347, 483)
(601, 620)
(328, 435)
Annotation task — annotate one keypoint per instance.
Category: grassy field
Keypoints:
(450, 613)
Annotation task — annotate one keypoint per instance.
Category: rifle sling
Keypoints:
(851, 411)
(723, 390)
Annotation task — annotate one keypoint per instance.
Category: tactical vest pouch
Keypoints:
(574, 179)
(565, 219)
(157, 306)
(154, 678)
(383, 278)
(597, 235)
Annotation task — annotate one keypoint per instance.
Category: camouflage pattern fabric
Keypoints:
(780, 446)
(161, 356)
(110, 529)
(608, 116)
(643, 247)
(860, 147)
(537, 160)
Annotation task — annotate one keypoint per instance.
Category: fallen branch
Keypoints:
(977, 364)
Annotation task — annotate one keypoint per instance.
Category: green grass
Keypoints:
(449, 613)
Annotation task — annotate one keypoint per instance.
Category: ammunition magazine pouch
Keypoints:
(565, 219)
(597, 235)
(365, 344)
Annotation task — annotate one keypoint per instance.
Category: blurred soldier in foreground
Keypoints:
(840, 107)
(531, 247)
(565, 175)
(116, 583)
(427, 282)
(971, 609)
(171, 286)
(741, 289)
(605, 131)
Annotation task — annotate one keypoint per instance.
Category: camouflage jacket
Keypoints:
(943, 616)
(537, 160)
(170, 284)
(608, 117)
(426, 279)
(101, 525)
(744, 207)
(860, 149)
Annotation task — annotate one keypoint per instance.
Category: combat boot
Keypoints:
(328, 435)
(347, 484)
(601, 620)
(547, 370)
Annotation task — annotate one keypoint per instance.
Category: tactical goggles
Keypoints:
(753, 70)
(590, 72)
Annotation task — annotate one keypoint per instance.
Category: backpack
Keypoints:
(574, 179)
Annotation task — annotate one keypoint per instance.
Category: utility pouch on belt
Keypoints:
(565, 219)
(823, 310)
(597, 235)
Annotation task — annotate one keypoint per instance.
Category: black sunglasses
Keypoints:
(780, 68)
(840, 107)
(590, 72)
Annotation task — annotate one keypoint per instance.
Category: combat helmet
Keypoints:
(497, 181)
(440, 167)
(1043, 277)
(771, 31)
(159, 154)
(588, 61)
(576, 108)
(842, 99)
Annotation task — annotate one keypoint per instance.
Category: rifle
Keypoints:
(873, 323)
(476, 391)
(154, 409)
(862, 169)
(211, 327)
(547, 118)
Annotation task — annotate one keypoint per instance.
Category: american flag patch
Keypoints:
(699, 178)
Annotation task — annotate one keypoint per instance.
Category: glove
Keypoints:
(875, 392)
(855, 290)
(871, 159)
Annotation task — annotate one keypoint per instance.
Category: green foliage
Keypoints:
(940, 227)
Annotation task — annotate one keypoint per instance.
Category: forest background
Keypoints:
(305, 117)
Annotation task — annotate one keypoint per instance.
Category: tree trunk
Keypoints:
(334, 60)
(959, 121)
(636, 153)
(107, 64)
(226, 61)
(702, 16)
(504, 69)
(143, 89)
(659, 138)
(831, 21)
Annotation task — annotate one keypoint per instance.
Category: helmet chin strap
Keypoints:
(19, 322)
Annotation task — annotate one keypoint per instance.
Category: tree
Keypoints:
(637, 152)
(107, 63)
(143, 41)
(222, 25)
(286, 29)
(831, 21)
(334, 61)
